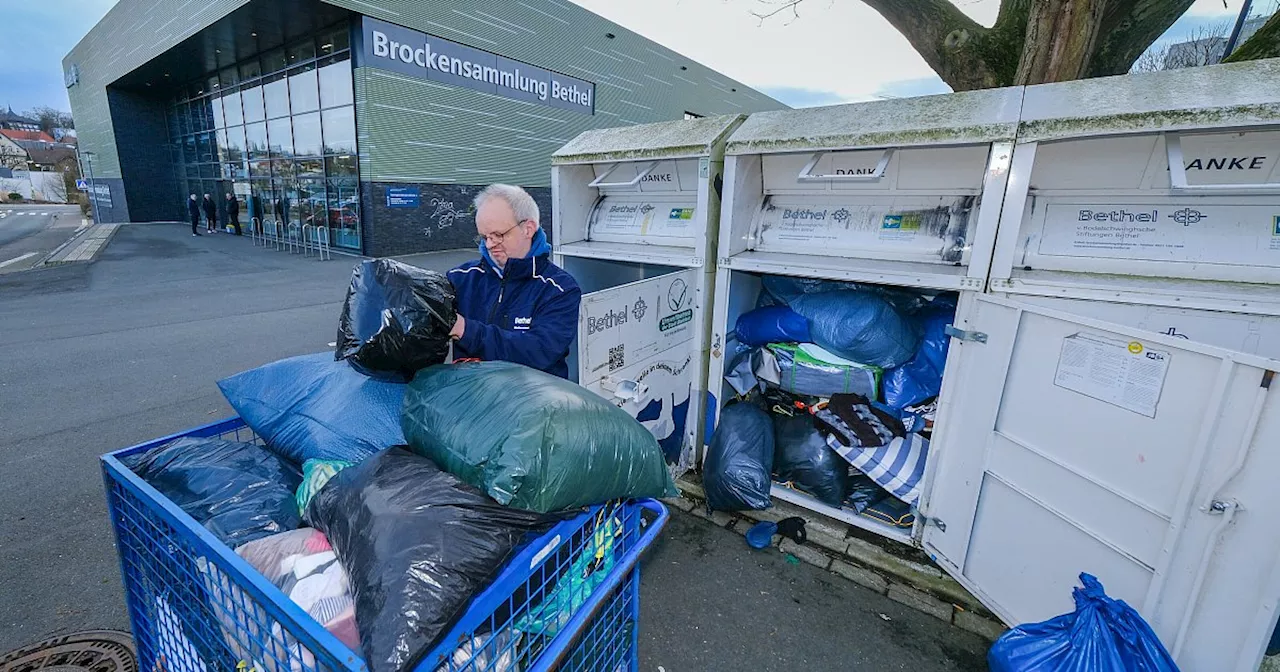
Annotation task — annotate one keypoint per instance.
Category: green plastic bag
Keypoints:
(315, 473)
(529, 439)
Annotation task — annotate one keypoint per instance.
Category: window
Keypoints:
(204, 146)
(223, 153)
(231, 109)
(253, 106)
(250, 69)
(339, 130)
(274, 61)
(306, 135)
(335, 83)
(235, 143)
(335, 41)
(216, 103)
(280, 138)
(303, 94)
(276, 95)
(302, 51)
(256, 140)
(229, 77)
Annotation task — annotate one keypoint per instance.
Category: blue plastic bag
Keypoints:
(1101, 635)
(311, 407)
(739, 459)
(772, 324)
(778, 290)
(859, 326)
(920, 378)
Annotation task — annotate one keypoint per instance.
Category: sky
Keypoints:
(834, 51)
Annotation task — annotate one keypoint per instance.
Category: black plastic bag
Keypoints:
(864, 493)
(736, 471)
(801, 456)
(238, 491)
(396, 319)
(418, 544)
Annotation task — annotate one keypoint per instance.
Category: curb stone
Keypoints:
(842, 550)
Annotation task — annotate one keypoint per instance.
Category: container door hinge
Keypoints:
(966, 334)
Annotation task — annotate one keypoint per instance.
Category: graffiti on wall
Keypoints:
(444, 215)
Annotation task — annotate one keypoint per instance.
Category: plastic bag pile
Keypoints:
(418, 479)
(838, 383)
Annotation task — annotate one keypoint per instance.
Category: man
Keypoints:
(193, 211)
(233, 213)
(210, 214)
(513, 303)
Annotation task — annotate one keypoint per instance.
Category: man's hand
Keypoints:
(458, 327)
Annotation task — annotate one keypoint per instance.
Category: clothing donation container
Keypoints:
(887, 210)
(636, 212)
(1116, 418)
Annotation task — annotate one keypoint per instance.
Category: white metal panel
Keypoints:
(920, 170)
(1242, 332)
(646, 219)
(1033, 483)
(639, 345)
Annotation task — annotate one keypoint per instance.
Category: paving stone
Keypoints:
(679, 503)
(806, 553)
(920, 601)
(989, 628)
(861, 576)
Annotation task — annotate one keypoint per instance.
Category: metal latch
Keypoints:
(965, 334)
(936, 522)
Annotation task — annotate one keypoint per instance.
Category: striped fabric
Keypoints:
(897, 466)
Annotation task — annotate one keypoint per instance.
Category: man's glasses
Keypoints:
(496, 238)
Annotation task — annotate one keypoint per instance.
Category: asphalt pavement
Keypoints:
(100, 356)
(28, 233)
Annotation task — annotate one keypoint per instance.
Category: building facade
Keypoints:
(378, 120)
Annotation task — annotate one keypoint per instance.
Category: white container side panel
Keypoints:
(642, 345)
(930, 169)
(1104, 214)
(1067, 444)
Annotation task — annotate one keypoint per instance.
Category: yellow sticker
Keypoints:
(1135, 347)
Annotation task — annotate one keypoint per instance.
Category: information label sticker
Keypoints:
(1121, 373)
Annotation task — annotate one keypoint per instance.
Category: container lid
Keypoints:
(969, 117)
(1219, 96)
(664, 140)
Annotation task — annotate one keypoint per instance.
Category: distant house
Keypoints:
(16, 122)
(12, 155)
(49, 155)
(25, 135)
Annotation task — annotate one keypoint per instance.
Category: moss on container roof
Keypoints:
(1237, 94)
(955, 118)
(667, 139)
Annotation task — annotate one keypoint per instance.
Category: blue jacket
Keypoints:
(526, 313)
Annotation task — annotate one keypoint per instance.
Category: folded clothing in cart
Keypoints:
(238, 491)
(303, 566)
(418, 545)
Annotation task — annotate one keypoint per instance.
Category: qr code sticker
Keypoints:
(616, 357)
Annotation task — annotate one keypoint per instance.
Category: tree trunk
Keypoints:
(1263, 44)
(1129, 27)
(1059, 42)
(954, 45)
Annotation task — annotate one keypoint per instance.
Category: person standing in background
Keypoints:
(233, 213)
(193, 211)
(210, 214)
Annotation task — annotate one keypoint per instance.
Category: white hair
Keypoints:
(522, 204)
